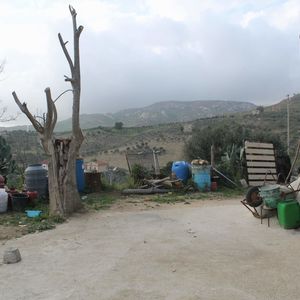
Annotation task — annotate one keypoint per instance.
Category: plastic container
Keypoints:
(36, 179)
(19, 201)
(3, 201)
(92, 182)
(181, 170)
(80, 175)
(202, 177)
(32, 196)
(214, 186)
(270, 195)
(33, 213)
(288, 214)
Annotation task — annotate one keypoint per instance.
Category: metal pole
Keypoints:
(212, 156)
(288, 124)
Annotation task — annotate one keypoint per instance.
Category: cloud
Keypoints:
(134, 53)
(248, 17)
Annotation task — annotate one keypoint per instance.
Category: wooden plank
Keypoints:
(260, 157)
(264, 164)
(260, 183)
(262, 170)
(261, 177)
(259, 151)
(258, 145)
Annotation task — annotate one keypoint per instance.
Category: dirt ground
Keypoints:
(204, 250)
(7, 233)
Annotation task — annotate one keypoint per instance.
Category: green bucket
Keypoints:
(270, 195)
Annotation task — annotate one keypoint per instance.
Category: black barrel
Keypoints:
(36, 179)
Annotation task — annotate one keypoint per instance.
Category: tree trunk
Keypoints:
(64, 198)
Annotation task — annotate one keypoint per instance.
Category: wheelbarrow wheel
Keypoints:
(252, 197)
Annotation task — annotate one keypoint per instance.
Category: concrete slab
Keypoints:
(206, 250)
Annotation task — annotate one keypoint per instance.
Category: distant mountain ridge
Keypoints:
(157, 113)
(160, 113)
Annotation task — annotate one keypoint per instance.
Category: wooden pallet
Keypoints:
(261, 165)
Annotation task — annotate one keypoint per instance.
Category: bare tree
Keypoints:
(64, 197)
(3, 110)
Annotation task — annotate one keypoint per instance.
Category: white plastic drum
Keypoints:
(3, 201)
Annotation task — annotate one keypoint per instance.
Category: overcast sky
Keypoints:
(138, 52)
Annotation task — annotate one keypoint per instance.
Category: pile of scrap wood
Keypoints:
(155, 186)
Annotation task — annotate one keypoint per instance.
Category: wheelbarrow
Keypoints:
(253, 198)
(262, 202)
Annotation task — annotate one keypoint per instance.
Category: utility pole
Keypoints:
(288, 124)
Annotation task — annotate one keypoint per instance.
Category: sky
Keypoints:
(138, 52)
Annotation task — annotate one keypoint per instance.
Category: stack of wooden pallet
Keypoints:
(261, 165)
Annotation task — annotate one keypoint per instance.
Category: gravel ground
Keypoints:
(206, 250)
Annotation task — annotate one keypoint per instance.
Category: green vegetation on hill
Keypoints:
(113, 140)
(271, 120)
(228, 138)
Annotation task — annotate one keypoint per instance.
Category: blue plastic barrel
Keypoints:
(201, 177)
(181, 170)
(80, 175)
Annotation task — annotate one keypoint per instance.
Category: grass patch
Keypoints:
(168, 198)
(99, 201)
(173, 197)
(180, 197)
(41, 223)
(226, 192)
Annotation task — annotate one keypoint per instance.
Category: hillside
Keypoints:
(273, 119)
(106, 144)
(109, 144)
(112, 144)
(159, 113)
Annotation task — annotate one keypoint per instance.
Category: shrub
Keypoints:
(228, 140)
(166, 170)
(119, 125)
(139, 173)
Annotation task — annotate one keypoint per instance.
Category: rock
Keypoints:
(11, 256)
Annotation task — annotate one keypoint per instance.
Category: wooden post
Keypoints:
(156, 164)
(128, 164)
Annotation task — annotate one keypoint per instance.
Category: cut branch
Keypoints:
(68, 79)
(2, 66)
(79, 30)
(65, 50)
(49, 116)
(23, 107)
(54, 119)
(73, 14)
(72, 11)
